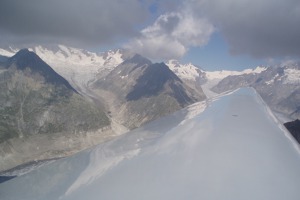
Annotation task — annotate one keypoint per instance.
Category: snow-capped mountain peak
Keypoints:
(78, 66)
(184, 71)
(8, 52)
(192, 72)
(292, 76)
(291, 72)
(61, 53)
(113, 58)
(224, 73)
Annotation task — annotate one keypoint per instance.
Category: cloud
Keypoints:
(69, 21)
(171, 35)
(261, 28)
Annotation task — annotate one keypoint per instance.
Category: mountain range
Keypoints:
(278, 85)
(76, 99)
(57, 100)
(42, 115)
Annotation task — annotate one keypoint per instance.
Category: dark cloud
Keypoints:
(169, 23)
(69, 21)
(261, 28)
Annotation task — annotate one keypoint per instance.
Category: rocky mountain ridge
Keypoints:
(41, 115)
(79, 67)
(279, 85)
(141, 91)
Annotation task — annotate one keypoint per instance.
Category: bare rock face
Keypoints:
(141, 91)
(41, 114)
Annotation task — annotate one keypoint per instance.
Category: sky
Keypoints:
(213, 34)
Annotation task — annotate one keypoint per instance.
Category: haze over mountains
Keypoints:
(91, 97)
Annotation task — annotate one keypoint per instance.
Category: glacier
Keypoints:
(79, 67)
(230, 147)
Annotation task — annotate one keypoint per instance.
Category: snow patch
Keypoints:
(224, 73)
(184, 71)
(292, 76)
(272, 80)
(7, 53)
(79, 67)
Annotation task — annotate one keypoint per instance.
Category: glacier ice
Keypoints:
(229, 148)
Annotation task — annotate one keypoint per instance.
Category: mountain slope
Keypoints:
(202, 80)
(41, 114)
(79, 67)
(279, 86)
(241, 153)
(26, 60)
(138, 91)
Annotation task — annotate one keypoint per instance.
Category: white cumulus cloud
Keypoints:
(171, 35)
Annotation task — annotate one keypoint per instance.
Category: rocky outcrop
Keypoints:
(138, 91)
(42, 115)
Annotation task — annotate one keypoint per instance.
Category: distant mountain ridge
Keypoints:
(26, 59)
(278, 85)
(78, 66)
(82, 68)
(140, 91)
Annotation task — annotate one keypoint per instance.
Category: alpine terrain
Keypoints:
(41, 115)
(278, 85)
(76, 99)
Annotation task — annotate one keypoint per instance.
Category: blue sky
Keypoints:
(214, 34)
(215, 56)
